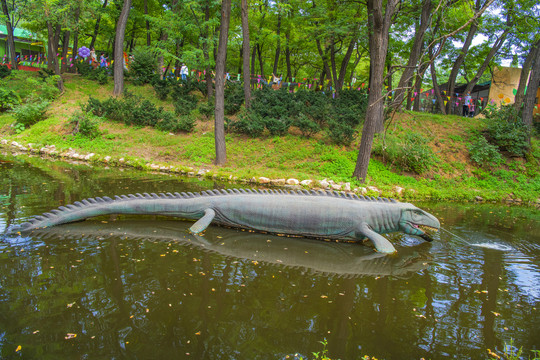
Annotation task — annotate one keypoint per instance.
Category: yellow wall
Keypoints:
(503, 83)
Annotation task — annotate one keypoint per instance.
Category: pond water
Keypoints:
(142, 287)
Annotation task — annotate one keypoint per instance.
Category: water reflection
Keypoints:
(145, 288)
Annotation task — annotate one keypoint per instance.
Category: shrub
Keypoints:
(248, 123)
(307, 126)
(206, 109)
(85, 124)
(4, 71)
(234, 97)
(506, 131)
(30, 113)
(161, 87)
(44, 74)
(143, 66)
(173, 124)
(8, 99)
(410, 153)
(277, 126)
(341, 133)
(184, 105)
(484, 153)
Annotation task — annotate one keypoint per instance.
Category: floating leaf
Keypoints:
(70, 336)
(18, 348)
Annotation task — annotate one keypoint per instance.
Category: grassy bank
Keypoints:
(447, 173)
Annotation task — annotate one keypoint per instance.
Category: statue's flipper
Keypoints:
(203, 222)
(381, 243)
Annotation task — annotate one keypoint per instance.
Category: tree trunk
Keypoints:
(65, 48)
(51, 51)
(436, 90)
(96, 27)
(520, 93)
(345, 63)
(119, 49)
(414, 57)
(378, 29)
(530, 96)
(259, 55)
(206, 53)
(288, 55)
(326, 69)
(278, 46)
(219, 115)
(10, 40)
(245, 51)
(459, 61)
(164, 36)
(148, 39)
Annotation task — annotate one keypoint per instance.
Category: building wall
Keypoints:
(504, 81)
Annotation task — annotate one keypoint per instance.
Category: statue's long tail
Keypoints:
(139, 204)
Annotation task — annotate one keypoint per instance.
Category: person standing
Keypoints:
(102, 61)
(184, 71)
(93, 58)
(466, 104)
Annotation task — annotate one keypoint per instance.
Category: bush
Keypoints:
(85, 124)
(206, 109)
(184, 105)
(8, 99)
(30, 113)
(234, 97)
(248, 123)
(341, 133)
(484, 153)
(161, 87)
(277, 126)
(307, 126)
(506, 131)
(411, 153)
(143, 67)
(5, 71)
(44, 74)
(174, 125)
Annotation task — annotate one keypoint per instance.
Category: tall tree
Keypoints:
(96, 26)
(378, 26)
(219, 112)
(530, 96)
(245, 51)
(10, 39)
(119, 49)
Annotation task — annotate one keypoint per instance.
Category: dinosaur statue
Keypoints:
(327, 215)
(310, 256)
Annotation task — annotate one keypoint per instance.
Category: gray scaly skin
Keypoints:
(328, 215)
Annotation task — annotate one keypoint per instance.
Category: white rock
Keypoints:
(306, 182)
(362, 190)
(398, 190)
(347, 187)
(324, 184)
(107, 158)
(3, 142)
(22, 148)
(15, 144)
(335, 186)
(292, 182)
(264, 180)
(373, 188)
(121, 160)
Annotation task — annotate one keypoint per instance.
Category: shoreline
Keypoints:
(49, 152)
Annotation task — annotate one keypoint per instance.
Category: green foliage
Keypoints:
(341, 133)
(184, 105)
(4, 71)
(506, 130)
(307, 126)
(142, 68)
(30, 113)
(234, 97)
(8, 99)
(410, 153)
(98, 74)
(161, 87)
(18, 128)
(484, 153)
(248, 123)
(85, 125)
(206, 109)
(277, 127)
(44, 74)
(134, 110)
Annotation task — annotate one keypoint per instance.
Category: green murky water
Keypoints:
(143, 288)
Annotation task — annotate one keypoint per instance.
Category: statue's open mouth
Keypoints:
(428, 231)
